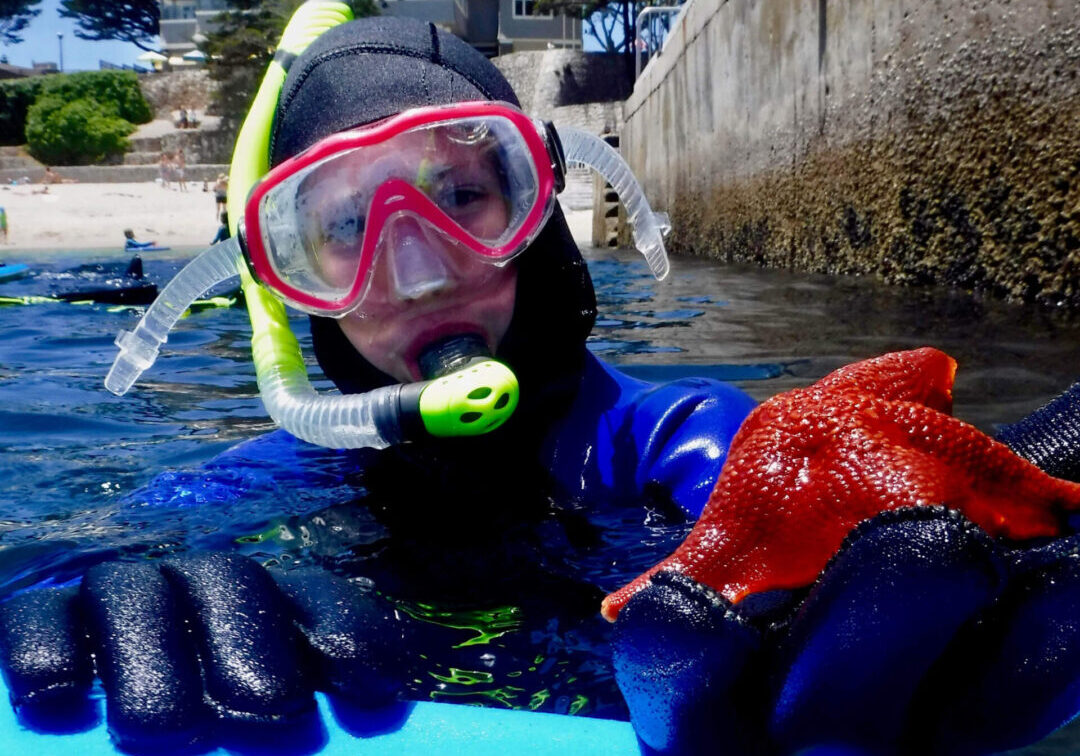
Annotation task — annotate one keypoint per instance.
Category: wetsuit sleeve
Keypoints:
(632, 441)
(275, 464)
(680, 433)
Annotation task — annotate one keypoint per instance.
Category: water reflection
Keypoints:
(1011, 357)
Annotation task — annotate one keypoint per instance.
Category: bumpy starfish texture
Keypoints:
(810, 464)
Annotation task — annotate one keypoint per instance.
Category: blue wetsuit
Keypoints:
(620, 440)
(131, 244)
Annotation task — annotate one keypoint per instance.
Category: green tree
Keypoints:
(117, 90)
(611, 23)
(16, 97)
(83, 117)
(74, 132)
(243, 45)
(14, 16)
(134, 21)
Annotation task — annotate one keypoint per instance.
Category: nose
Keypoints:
(417, 260)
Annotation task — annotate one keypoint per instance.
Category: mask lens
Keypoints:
(479, 173)
(474, 176)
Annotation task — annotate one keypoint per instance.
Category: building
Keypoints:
(494, 27)
(185, 22)
(8, 71)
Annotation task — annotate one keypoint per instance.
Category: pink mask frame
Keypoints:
(396, 196)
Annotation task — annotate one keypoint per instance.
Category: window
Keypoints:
(527, 9)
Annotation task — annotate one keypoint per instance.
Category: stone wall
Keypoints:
(916, 140)
(569, 86)
(194, 174)
(168, 92)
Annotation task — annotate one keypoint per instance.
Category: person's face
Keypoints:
(422, 285)
(473, 297)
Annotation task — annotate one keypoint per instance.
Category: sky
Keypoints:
(40, 44)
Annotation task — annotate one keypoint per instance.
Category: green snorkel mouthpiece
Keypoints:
(466, 393)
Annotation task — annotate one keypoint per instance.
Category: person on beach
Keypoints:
(179, 165)
(417, 227)
(51, 176)
(165, 170)
(221, 192)
(223, 230)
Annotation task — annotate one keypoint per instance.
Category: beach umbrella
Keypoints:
(195, 55)
(152, 57)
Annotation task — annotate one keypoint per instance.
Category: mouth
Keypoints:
(427, 336)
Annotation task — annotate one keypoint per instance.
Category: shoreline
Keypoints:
(92, 217)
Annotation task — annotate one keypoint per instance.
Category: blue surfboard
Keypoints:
(411, 728)
(15, 270)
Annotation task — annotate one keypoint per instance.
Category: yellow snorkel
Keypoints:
(273, 343)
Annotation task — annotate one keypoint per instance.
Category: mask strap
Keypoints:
(585, 149)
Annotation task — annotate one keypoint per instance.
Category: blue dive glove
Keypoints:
(922, 635)
(197, 642)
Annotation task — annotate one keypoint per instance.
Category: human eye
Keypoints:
(462, 198)
(341, 220)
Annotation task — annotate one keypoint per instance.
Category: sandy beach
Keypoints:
(94, 216)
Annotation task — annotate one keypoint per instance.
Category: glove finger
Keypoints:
(144, 658)
(1049, 436)
(245, 635)
(358, 642)
(680, 654)
(1014, 678)
(43, 651)
(879, 616)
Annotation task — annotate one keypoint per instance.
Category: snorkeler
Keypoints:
(409, 210)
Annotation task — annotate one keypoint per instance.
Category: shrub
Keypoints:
(74, 132)
(16, 97)
(118, 91)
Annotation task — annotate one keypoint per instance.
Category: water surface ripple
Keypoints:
(70, 450)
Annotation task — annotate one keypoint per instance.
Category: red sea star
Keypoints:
(810, 464)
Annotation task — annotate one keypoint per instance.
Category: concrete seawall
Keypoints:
(569, 87)
(919, 141)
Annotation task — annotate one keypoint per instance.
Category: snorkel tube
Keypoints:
(581, 148)
(467, 393)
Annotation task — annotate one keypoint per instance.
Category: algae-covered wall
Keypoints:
(918, 140)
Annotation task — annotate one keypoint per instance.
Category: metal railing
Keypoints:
(653, 41)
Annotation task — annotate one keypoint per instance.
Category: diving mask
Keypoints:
(475, 179)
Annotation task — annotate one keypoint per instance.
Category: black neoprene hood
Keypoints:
(373, 68)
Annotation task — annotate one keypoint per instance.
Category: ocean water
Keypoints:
(71, 454)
